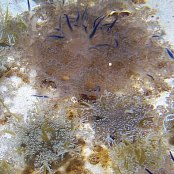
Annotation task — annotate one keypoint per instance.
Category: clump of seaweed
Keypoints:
(41, 143)
(113, 116)
(46, 140)
(10, 28)
(99, 37)
(5, 167)
(148, 152)
(100, 156)
(76, 166)
(168, 120)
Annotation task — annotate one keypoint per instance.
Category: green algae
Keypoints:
(146, 122)
(6, 167)
(17, 117)
(12, 27)
(9, 132)
(45, 128)
(143, 153)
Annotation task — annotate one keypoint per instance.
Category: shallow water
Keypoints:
(90, 100)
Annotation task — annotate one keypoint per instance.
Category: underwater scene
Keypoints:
(86, 87)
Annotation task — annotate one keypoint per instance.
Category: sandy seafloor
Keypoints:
(23, 102)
